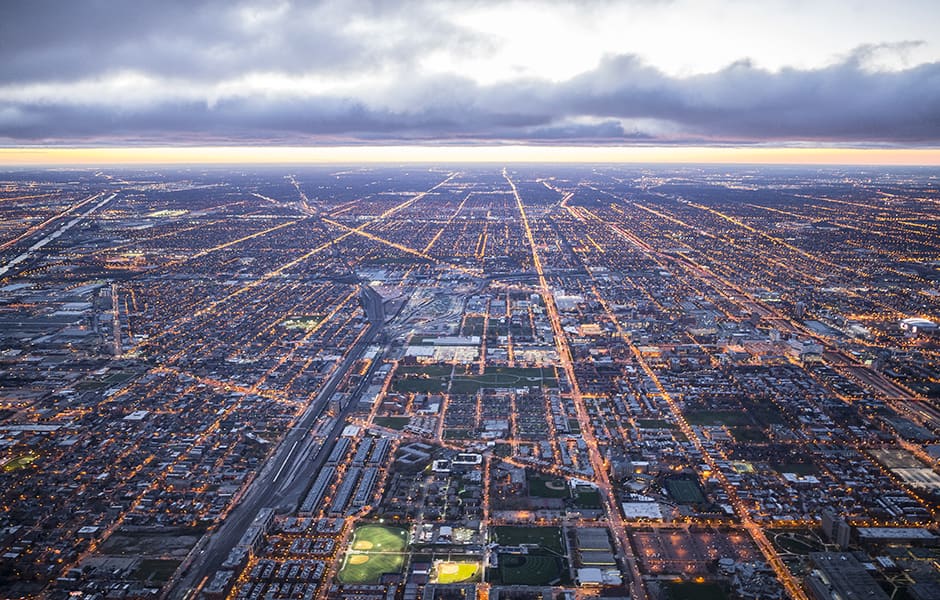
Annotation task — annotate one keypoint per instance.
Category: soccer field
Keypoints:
(684, 491)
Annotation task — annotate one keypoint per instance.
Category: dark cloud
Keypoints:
(187, 47)
(841, 102)
(43, 40)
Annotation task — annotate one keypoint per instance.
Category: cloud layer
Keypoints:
(320, 73)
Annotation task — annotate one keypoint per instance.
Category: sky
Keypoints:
(650, 74)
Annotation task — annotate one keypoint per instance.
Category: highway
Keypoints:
(33, 249)
(282, 481)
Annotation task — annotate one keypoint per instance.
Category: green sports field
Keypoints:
(446, 571)
(532, 569)
(684, 491)
(19, 463)
(374, 551)
(543, 486)
(548, 538)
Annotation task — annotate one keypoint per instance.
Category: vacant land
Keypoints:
(162, 543)
(155, 570)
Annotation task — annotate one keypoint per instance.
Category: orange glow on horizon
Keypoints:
(108, 156)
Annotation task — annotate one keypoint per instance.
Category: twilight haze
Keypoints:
(643, 73)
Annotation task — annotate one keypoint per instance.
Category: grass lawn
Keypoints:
(374, 551)
(422, 370)
(421, 379)
(518, 569)
(695, 591)
(798, 468)
(498, 377)
(654, 424)
(587, 497)
(548, 538)
(113, 380)
(420, 385)
(796, 541)
(398, 423)
(470, 384)
(765, 413)
(717, 417)
(525, 372)
(797, 544)
(427, 379)
(748, 434)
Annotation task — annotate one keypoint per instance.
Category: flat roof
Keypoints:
(31, 427)
(888, 533)
(641, 510)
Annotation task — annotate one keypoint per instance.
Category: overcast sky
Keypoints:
(724, 72)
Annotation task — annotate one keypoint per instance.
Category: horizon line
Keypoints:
(103, 156)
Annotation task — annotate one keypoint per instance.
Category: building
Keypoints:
(592, 577)
(896, 535)
(836, 529)
(642, 511)
(915, 326)
(839, 575)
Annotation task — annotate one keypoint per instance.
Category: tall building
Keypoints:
(836, 529)
(799, 309)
